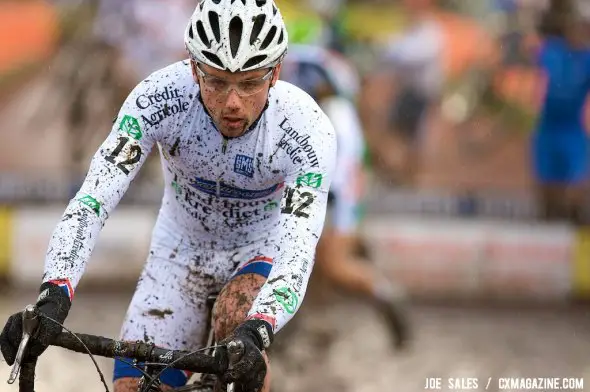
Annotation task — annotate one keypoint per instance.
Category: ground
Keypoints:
(344, 347)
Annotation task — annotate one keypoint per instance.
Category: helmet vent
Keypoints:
(281, 37)
(258, 24)
(203, 35)
(214, 22)
(235, 35)
(213, 58)
(255, 60)
(269, 38)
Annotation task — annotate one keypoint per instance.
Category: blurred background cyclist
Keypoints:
(341, 257)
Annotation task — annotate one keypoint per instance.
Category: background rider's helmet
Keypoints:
(236, 35)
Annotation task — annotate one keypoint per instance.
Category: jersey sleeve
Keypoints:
(303, 210)
(111, 171)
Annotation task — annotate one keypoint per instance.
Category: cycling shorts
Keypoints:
(169, 306)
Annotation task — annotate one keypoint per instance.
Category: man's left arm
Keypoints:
(303, 211)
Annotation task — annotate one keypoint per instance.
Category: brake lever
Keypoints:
(30, 324)
(235, 350)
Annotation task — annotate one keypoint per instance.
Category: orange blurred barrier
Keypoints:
(28, 33)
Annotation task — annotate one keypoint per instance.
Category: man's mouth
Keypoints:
(233, 121)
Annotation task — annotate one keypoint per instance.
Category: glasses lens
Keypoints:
(243, 89)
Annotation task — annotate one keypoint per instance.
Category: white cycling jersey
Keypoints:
(348, 180)
(262, 194)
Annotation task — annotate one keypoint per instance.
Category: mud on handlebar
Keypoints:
(197, 362)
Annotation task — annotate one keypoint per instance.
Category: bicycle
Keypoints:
(213, 359)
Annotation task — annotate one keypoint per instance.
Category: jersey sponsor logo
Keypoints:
(236, 213)
(232, 192)
(80, 233)
(271, 205)
(313, 180)
(66, 286)
(244, 165)
(264, 336)
(297, 145)
(144, 101)
(167, 103)
(287, 298)
(303, 272)
(130, 126)
(91, 202)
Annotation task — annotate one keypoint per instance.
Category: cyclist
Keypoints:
(247, 164)
(333, 83)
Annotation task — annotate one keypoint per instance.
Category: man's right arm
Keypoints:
(112, 169)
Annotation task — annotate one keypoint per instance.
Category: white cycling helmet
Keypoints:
(236, 35)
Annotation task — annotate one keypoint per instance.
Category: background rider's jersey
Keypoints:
(348, 180)
(309, 67)
(270, 183)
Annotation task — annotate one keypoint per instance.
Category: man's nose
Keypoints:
(233, 100)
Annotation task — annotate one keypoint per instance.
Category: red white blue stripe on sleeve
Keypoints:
(260, 265)
(259, 316)
(66, 286)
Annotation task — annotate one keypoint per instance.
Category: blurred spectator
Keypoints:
(330, 11)
(143, 31)
(560, 142)
(416, 61)
(133, 38)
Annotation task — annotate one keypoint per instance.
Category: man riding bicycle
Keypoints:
(247, 163)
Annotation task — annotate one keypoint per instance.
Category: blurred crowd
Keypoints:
(450, 94)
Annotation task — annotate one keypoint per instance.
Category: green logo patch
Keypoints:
(176, 187)
(271, 205)
(287, 298)
(313, 180)
(92, 203)
(130, 126)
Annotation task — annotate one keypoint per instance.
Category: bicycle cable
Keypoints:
(102, 378)
(85, 348)
(145, 374)
(167, 366)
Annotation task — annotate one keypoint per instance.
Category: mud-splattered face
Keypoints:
(234, 111)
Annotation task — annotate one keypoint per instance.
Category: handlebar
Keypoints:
(196, 362)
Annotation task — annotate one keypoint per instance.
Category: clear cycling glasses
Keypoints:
(243, 88)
